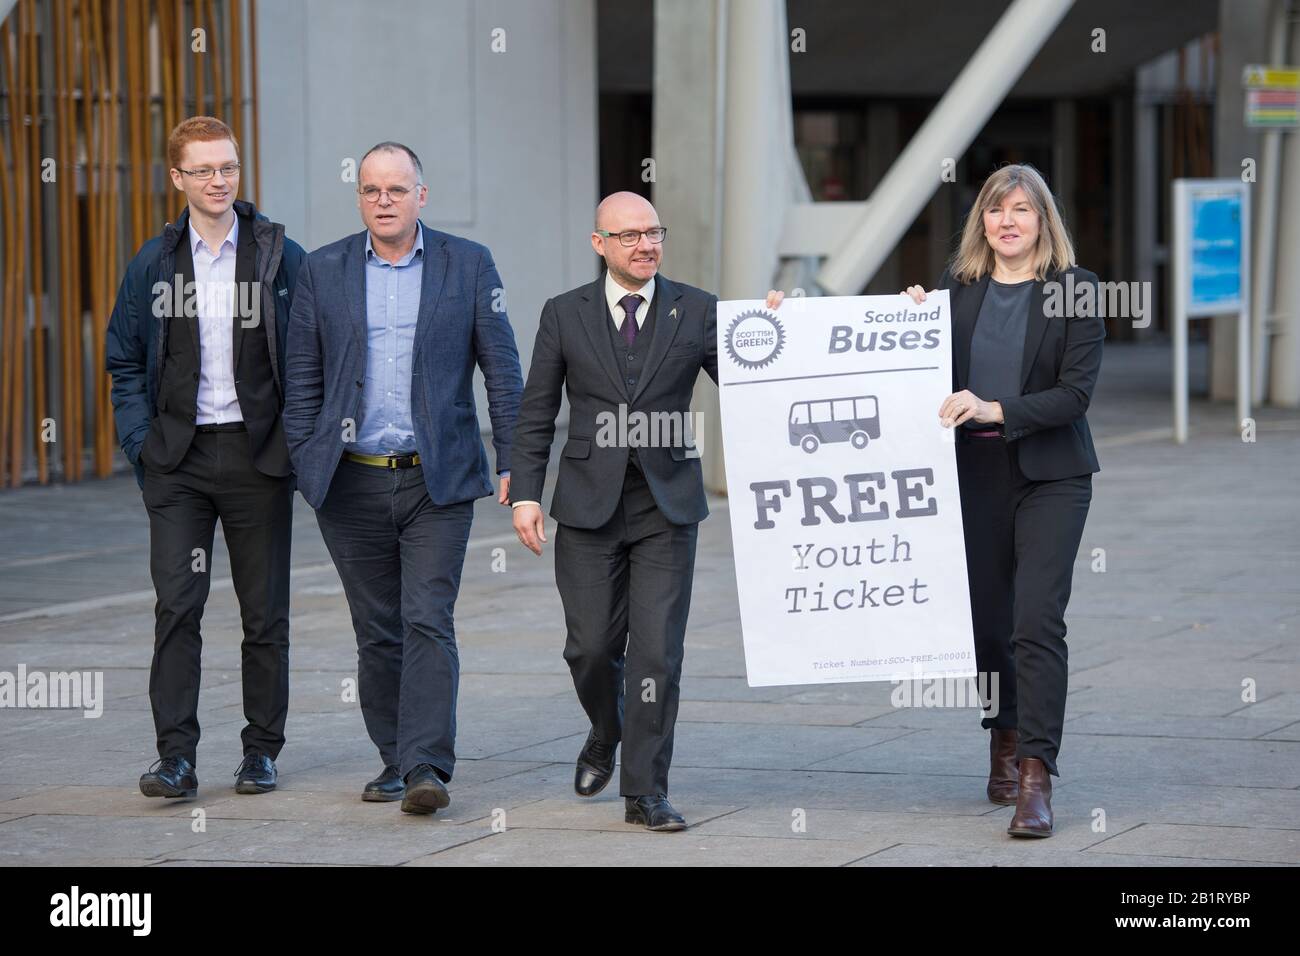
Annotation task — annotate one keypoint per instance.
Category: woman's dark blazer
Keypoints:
(1057, 373)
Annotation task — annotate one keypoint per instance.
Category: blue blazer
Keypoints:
(462, 323)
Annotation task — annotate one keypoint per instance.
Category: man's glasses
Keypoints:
(203, 173)
(630, 237)
(395, 195)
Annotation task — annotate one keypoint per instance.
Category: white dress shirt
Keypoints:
(214, 281)
(613, 293)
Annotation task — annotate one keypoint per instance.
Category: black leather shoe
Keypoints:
(385, 788)
(425, 792)
(170, 777)
(255, 775)
(595, 766)
(655, 812)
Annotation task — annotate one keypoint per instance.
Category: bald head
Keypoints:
(626, 212)
(624, 206)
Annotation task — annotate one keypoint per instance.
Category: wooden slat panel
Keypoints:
(35, 242)
(10, 302)
(105, 131)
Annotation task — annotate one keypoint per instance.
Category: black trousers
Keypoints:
(1022, 537)
(626, 590)
(216, 480)
(400, 558)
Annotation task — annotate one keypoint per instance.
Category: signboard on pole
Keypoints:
(1211, 276)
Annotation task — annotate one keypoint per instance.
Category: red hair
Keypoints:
(196, 129)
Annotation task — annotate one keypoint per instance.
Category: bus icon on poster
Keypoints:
(855, 420)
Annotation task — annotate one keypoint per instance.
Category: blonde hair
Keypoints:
(974, 257)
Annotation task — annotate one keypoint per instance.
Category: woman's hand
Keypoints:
(916, 292)
(964, 405)
(774, 298)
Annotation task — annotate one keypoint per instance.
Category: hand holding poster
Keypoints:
(845, 512)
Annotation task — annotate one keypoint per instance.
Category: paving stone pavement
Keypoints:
(1164, 761)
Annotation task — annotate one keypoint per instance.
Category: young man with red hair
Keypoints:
(196, 353)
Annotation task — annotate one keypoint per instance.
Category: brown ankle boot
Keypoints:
(1004, 771)
(1033, 817)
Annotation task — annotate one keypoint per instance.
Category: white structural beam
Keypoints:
(1284, 343)
(758, 137)
(760, 173)
(1270, 187)
(971, 99)
(818, 228)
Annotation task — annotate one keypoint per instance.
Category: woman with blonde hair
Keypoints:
(1026, 350)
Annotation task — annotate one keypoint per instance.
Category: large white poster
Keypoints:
(845, 513)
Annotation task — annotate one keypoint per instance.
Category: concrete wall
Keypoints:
(507, 139)
(1243, 39)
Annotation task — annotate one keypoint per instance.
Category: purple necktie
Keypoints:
(630, 304)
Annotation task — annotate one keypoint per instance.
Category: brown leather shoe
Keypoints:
(1033, 816)
(1004, 771)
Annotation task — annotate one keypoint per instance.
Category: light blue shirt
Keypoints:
(392, 308)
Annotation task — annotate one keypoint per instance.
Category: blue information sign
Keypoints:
(1216, 252)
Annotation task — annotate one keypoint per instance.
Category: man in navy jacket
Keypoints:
(387, 328)
(195, 348)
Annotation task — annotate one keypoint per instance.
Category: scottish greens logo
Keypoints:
(754, 339)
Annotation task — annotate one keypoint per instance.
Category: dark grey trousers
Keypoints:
(626, 590)
(400, 559)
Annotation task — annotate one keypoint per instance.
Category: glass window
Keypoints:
(821, 411)
(866, 407)
(799, 413)
(843, 409)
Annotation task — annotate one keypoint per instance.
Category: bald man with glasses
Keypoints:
(627, 515)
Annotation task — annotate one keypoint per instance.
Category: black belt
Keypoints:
(222, 427)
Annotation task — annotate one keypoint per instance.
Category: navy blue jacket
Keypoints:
(137, 330)
(462, 323)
